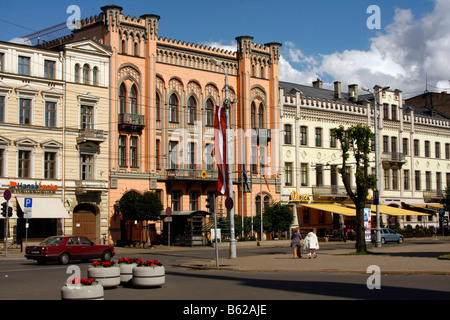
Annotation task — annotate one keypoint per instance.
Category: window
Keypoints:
(95, 76)
(24, 164)
(332, 139)
(87, 167)
(406, 179)
(253, 116)
(173, 108)
(261, 116)
(24, 65)
(405, 146)
(122, 99)
(87, 117)
(158, 107)
(393, 112)
(49, 69)
(416, 148)
(387, 184)
(288, 173)
(304, 174)
(25, 111)
(209, 113)
(303, 136)
(318, 137)
(86, 71)
(447, 151)
(133, 152)
(437, 149)
(428, 180)
(158, 156)
(50, 165)
(77, 73)
(395, 179)
(427, 149)
(172, 155)
(319, 175)
(287, 134)
(176, 200)
(193, 201)
(122, 151)
(2, 109)
(2, 162)
(417, 180)
(385, 144)
(50, 114)
(439, 183)
(133, 100)
(1, 61)
(191, 110)
(385, 111)
(394, 145)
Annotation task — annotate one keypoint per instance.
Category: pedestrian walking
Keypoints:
(296, 239)
(311, 244)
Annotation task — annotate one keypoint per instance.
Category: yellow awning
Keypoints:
(335, 208)
(393, 211)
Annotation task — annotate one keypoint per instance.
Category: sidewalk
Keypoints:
(391, 258)
(422, 258)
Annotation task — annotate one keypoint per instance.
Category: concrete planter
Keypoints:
(107, 277)
(149, 276)
(126, 272)
(81, 292)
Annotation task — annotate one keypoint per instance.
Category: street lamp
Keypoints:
(375, 115)
(227, 103)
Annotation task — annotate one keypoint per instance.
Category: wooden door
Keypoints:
(85, 224)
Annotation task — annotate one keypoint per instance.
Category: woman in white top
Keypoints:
(311, 244)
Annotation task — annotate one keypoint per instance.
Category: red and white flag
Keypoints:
(220, 148)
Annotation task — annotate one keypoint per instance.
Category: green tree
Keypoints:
(357, 140)
(276, 218)
(128, 205)
(446, 198)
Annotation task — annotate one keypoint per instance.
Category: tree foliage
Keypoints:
(356, 141)
(276, 218)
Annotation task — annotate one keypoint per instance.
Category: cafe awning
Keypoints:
(331, 207)
(394, 211)
(42, 208)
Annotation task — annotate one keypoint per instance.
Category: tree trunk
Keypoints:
(360, 230)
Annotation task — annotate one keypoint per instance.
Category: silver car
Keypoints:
(387, 235)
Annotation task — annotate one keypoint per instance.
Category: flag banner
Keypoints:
(220, 150)
(266, 183)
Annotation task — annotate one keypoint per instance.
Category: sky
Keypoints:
(404, 44)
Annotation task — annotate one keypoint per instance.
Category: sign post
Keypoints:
(7, 196)
(27, 213)
(168, 220)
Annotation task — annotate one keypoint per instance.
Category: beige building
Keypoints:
(53, 136)
(414, 155)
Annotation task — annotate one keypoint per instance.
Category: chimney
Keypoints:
(318, 83)
(353, 92)
(337, 90)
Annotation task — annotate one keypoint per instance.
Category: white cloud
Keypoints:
(402, 56)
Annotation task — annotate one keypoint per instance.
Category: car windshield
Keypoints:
(52, 241)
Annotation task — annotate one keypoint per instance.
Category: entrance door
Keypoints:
(85, 223)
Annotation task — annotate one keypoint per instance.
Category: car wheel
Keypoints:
(106, 256)
(64, 258)
(383, 241)
(400, 239)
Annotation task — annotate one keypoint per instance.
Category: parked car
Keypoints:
(66, 248)
(387, 235)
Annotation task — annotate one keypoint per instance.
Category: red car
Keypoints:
(66, 248)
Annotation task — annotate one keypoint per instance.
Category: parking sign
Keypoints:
(28, 207)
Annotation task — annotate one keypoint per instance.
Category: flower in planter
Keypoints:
(127, 260)
(83, 281)
(103, 264)
(148, 263)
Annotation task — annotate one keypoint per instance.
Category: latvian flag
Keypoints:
(220, 140)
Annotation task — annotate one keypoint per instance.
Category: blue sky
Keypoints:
(325, 38)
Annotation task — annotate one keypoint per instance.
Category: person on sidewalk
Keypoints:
(296, 239)
(311, 244)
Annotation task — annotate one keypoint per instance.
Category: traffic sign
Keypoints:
(7, 195)
(168, 211)
(229, 203)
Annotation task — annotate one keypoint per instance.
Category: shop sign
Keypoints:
(295, 197)
(19, 187)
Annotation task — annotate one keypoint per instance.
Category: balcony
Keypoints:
(329, 191)
(85, 135)
(191, 174)
(90, 187)
(432, 194)
(393, 160)
(131, 122)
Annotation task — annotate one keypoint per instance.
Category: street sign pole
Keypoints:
(215, 239)
(7, 196)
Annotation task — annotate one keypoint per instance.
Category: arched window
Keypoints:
(261, 116)
(124, 46)
(122, 98)
(86, 70)
(209, 113)
(173, 108)
(191, 110)
(136, 49)
(133, 100)
(77, 73)
(253, 116)
(95, 75)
